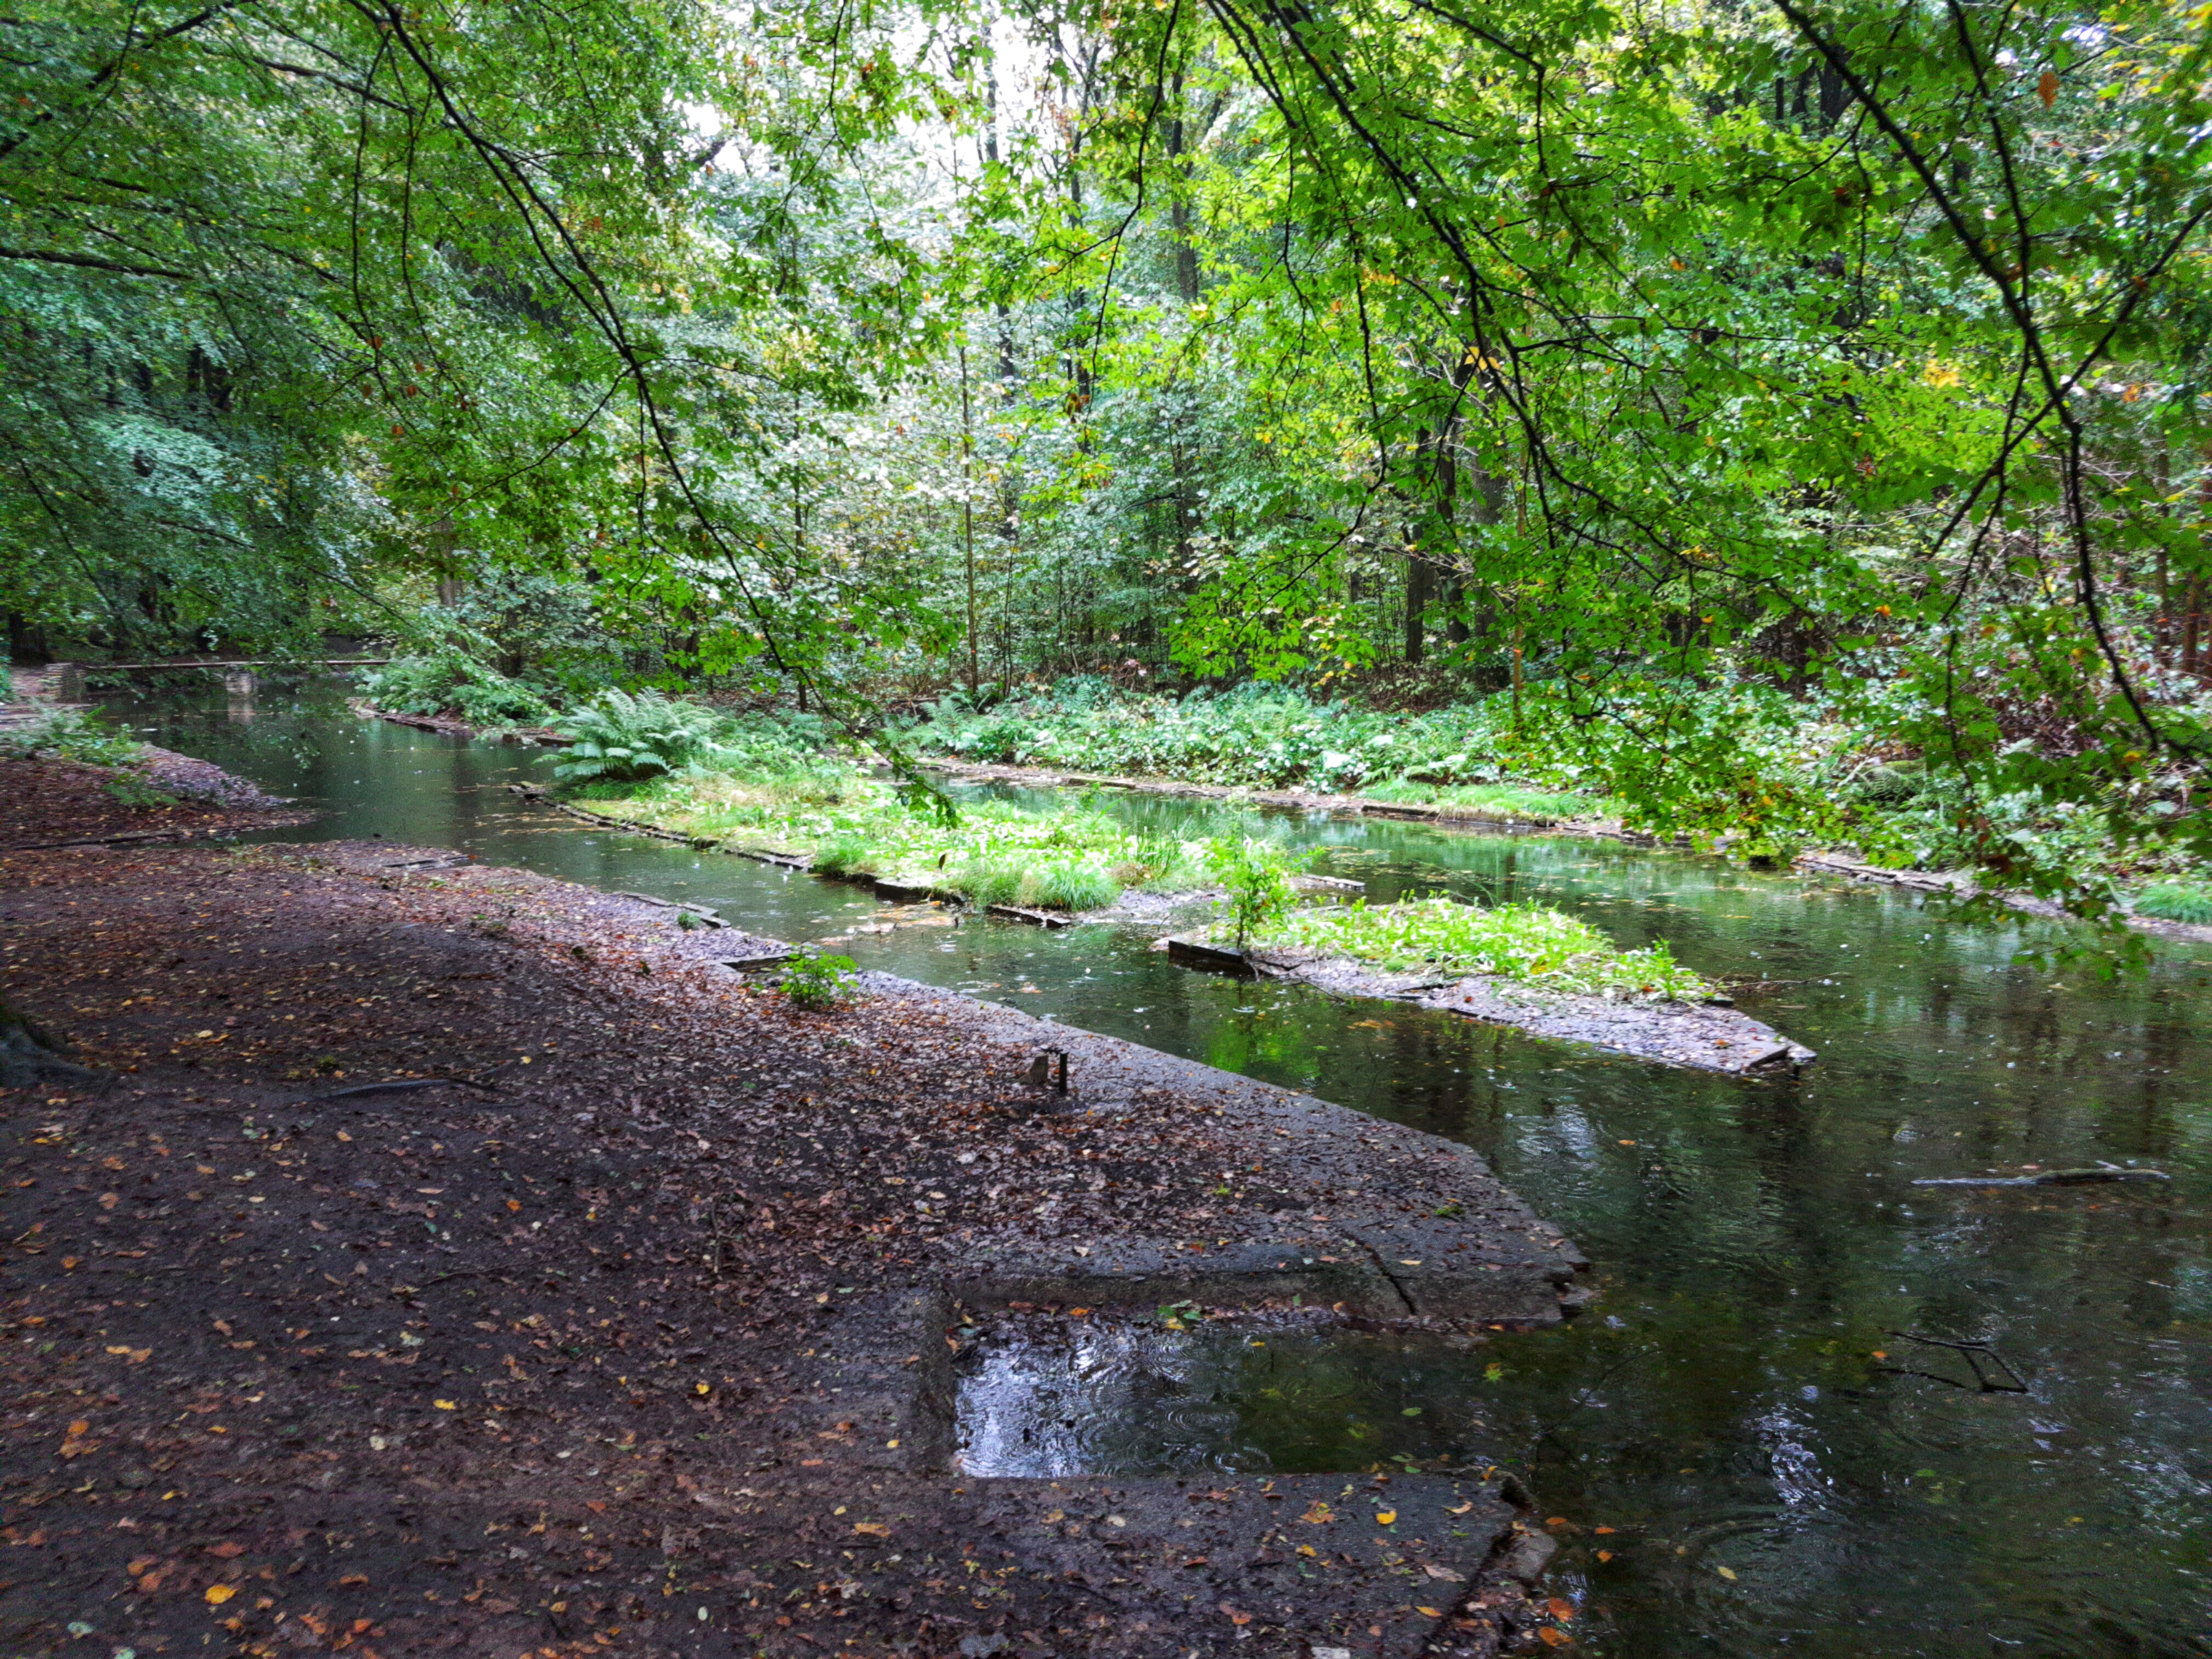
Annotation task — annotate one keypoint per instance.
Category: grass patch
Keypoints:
(2173, 901)
(1522, 942)
(1075, 859)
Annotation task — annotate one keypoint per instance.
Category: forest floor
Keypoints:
(645, 1337)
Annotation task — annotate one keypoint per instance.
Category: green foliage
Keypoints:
(621, 738)
(450, 682)
(1270, 737)
(135, 791)
(2175, 902)
(1257, 876)
(815, 980)
(72, 734)
(1522, 942)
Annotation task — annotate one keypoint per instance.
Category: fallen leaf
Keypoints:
(1605, 1555)
(871, 1529)
(1384, 1517)
(219, 1594)
(443, 1404)
(1564, 1611)
(1317, 1514)
(1430, 1613)
(226, 1549)
(1445, 1573)
(1235, 1617)
(1554, 1637)
(1602, 1529)
(1725, 1574)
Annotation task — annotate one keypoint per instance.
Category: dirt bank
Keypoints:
(166, 797)
(661, 1319)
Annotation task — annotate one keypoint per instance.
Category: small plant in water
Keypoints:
(1257, 874)
(813, 980)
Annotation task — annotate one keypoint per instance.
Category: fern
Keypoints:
(621, 739)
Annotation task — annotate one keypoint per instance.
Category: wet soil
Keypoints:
(639, 1333)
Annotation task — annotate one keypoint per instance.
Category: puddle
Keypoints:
(1045, 1397)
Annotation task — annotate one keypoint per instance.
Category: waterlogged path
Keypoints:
(1735, 1470)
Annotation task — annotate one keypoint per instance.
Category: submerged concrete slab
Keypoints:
(1390, 1222)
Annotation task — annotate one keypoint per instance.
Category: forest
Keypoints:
(1106, 829)
(1776, 422)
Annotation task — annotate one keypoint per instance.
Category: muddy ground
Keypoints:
(645, 1342)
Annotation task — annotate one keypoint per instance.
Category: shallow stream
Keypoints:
(1745, 1455)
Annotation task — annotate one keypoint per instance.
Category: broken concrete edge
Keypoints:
(1513, 1269)
(1710, 1037)
(1409, 1557)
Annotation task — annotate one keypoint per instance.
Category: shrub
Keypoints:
(625, 738)
(813, 980)
(452, 682)
(2175, 902)
(73, 734)
(1257, 874)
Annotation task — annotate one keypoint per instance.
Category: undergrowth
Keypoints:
(72, 734)
(454, 683)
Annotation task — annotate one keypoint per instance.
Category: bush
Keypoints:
(2175, 902)
(1257, 874)
(72, 734)
(624, 738)
(451, 682)
(815, 981)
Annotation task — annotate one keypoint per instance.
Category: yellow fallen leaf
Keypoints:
(871, 1529)
(1605, 1555)
(443, 1404)
(219, 1594)
(1725, 1574)
(1384, 1517)
(1430, 1613)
